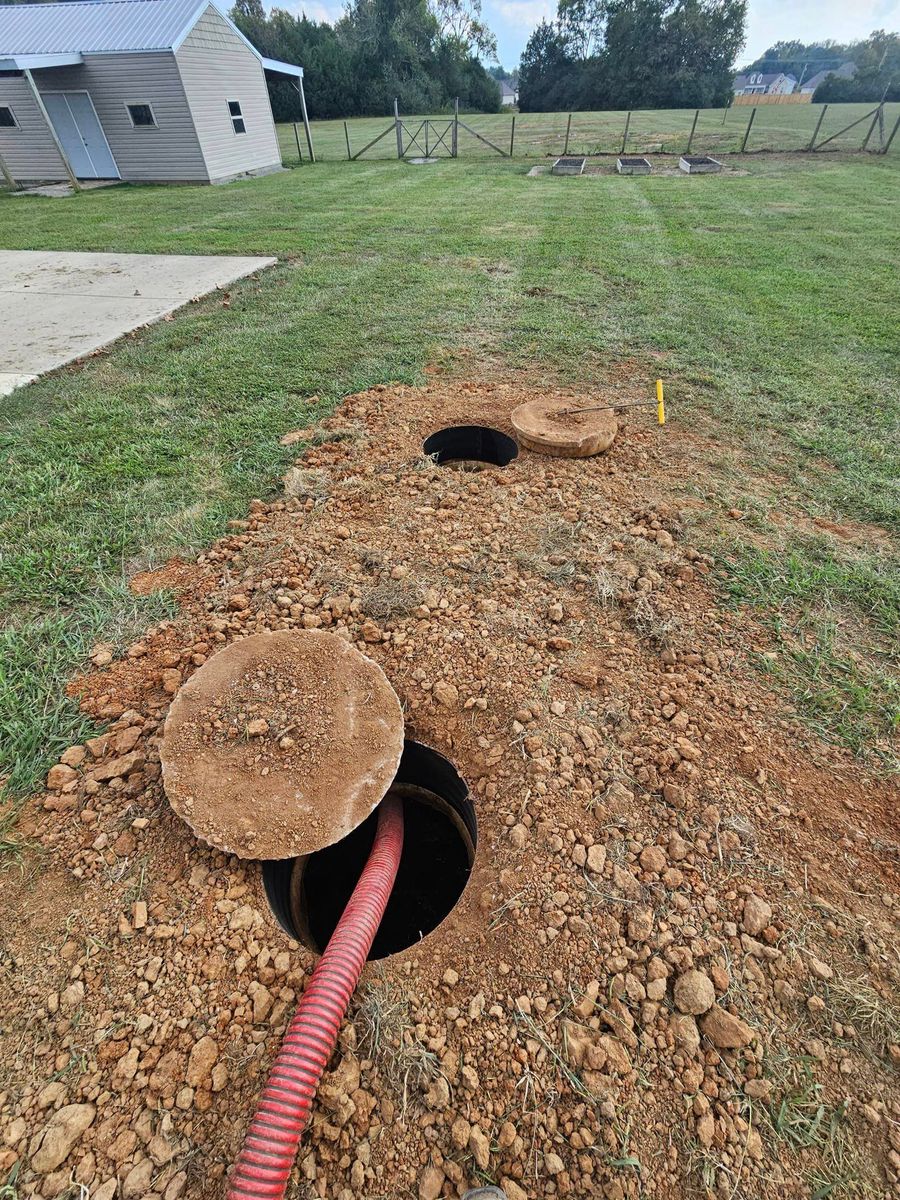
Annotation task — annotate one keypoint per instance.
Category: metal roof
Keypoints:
(96, 26)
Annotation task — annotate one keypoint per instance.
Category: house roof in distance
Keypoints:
(760, 78)
(846, 70)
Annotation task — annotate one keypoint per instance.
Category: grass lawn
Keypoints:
(767, 300)
(537, 135)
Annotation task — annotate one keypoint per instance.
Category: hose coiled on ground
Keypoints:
(264, 1164)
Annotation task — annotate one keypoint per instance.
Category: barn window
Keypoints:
(7, 118)
(237, 117)
(141, 115)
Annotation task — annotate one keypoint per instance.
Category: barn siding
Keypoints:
(169, 151)
(29, 152)
(217, 66)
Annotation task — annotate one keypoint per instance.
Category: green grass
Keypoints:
(767, 300)
(537, 135)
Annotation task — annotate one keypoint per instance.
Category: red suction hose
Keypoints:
(270, 1147)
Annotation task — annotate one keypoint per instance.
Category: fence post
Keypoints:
(693, 127)
(625, 134)
(568, 129)
(865, 144)
(812, 140)
(398, 128)
(749, 127)
(454, 140)
(427, 124)
(512, 135)
(887, 144)
(297, 140)
(347, 139)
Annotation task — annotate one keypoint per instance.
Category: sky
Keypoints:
(768, 21)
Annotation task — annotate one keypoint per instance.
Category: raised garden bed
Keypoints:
(569, 166)
(699, 164)
(633, 166)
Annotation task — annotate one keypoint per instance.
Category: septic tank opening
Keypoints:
(308, 894)
(470, 444)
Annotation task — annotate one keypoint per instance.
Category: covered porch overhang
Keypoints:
(275, 70)
(38, 62)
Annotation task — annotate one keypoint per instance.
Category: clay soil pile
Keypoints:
(674, 969)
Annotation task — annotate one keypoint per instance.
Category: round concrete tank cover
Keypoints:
(545, 426)
(281, 744)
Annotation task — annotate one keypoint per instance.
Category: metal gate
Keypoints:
(430, 138)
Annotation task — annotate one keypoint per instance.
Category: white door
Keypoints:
(81, 134)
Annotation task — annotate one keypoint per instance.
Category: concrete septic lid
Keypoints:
(541, 425)
(281, 744)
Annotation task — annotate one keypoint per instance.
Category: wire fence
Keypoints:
(731, 130)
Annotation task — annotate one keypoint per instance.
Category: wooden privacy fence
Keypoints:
(790, 98)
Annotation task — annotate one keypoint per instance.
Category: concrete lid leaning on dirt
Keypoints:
(281, 744)
(556, 425)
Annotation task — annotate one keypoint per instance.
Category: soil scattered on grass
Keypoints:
(673, 970)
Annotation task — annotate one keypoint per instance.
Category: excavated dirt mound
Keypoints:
(673, 973)
(281, 744)
(548, 426)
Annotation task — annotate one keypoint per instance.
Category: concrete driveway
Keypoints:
(57, 306)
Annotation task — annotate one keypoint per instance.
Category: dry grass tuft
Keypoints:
(393, 598)
(854, 1002)
(650, 624)
(386, 1034)
(307, 483)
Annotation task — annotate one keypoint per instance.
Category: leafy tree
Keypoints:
(582, 24)
(545, 72)
(378, 50)
(461, 26)
(633, 54)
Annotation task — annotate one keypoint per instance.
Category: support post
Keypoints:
(299, 86)
(693, 127)
(887, 145)
(454, 140)
(398, 128)
(73, 179)
(812, 140)
(297, 140)
(347, 140)
(512, 135)
(749, 127)
(625, 134)
(427, 129)
(865, 144)
(8, 176)
(568, 131)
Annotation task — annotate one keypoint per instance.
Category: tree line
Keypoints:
(612, 54)
(425, 54)
(877, 61)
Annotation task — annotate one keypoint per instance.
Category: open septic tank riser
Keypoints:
(432, 898)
